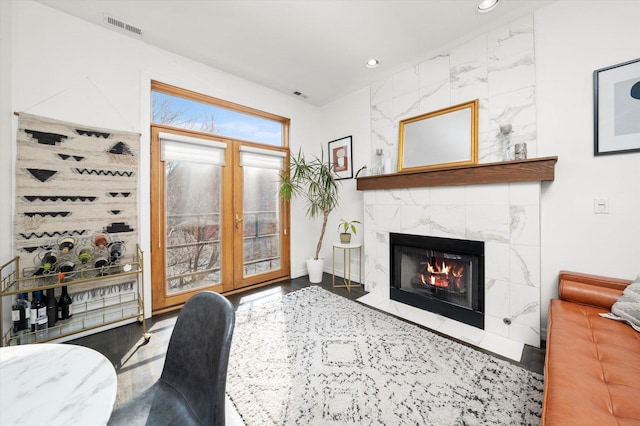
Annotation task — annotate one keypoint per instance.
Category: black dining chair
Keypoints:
(191, 389)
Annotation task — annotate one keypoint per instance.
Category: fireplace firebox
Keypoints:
(441, 275)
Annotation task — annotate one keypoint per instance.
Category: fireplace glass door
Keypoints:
(438, 274)
(441, 275)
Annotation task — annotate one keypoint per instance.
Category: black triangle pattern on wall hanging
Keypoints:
(92, 133)
(68, 156)
(45, 214)
(46, 138)
(120, 148)
(118, 227)
(63, 198)
(42, 175)
(55, 197)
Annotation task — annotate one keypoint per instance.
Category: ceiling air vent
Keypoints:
(300, 94)
(115, 22)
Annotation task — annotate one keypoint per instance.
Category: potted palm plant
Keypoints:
(346, 227)
(314, 181)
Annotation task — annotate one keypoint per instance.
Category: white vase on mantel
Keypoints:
(315, 267)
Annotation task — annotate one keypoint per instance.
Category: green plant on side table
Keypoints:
(314, 181)
(347, 227)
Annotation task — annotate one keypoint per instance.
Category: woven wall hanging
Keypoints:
(75, 182)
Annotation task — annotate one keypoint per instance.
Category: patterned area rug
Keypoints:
(315, 358)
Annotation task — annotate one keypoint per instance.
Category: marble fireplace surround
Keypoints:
(504, 213)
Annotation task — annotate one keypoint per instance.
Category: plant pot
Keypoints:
(315, 269)
(345, 237)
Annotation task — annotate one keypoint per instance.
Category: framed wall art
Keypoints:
(616, 108)
(340, 157)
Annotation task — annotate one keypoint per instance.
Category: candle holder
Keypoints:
(505, 130)
(378, 163)
(520, 151)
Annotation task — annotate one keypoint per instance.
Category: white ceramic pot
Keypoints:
(315, 269)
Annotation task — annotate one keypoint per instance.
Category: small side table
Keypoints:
(346, 255)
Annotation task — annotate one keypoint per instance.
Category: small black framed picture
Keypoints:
(616, 108)
(340, 157)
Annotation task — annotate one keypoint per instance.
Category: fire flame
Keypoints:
(444, 270)
(443, 274)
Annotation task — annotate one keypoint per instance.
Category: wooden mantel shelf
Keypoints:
(530, 170)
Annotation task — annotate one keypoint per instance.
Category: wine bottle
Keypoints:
(100, 241)
(27, 312)
(115, 252)
(33, 317)
(47, 264)
(41, 319)
(84, 256)
(66, 244)
(64, 305)
(17, 315)
(67, 266)
(51, 307)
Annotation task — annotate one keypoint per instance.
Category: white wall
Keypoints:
(7, 149)
(572, 40)
(348, 116)
(6, 169)
(64, 68)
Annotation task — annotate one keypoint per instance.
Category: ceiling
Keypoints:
(316, 47)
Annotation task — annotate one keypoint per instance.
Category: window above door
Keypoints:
(188, 110)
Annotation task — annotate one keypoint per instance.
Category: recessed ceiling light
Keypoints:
(487, 6)
(373, 63)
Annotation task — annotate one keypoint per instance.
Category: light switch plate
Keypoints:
(601, 206)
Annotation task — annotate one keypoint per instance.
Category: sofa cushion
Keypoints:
(627, 307)
(592, 369)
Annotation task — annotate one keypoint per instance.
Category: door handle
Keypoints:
(238, 220)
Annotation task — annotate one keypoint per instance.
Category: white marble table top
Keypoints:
(347, 245)
(55, 384)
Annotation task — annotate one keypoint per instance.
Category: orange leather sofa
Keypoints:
(592, 365)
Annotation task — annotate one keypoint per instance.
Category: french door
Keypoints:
(217, 222)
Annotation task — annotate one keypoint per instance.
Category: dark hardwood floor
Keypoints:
(139, 364)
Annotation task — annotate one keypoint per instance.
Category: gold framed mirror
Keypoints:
(446, 137)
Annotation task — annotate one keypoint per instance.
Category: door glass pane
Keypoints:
(193, 233)
(261, 237)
